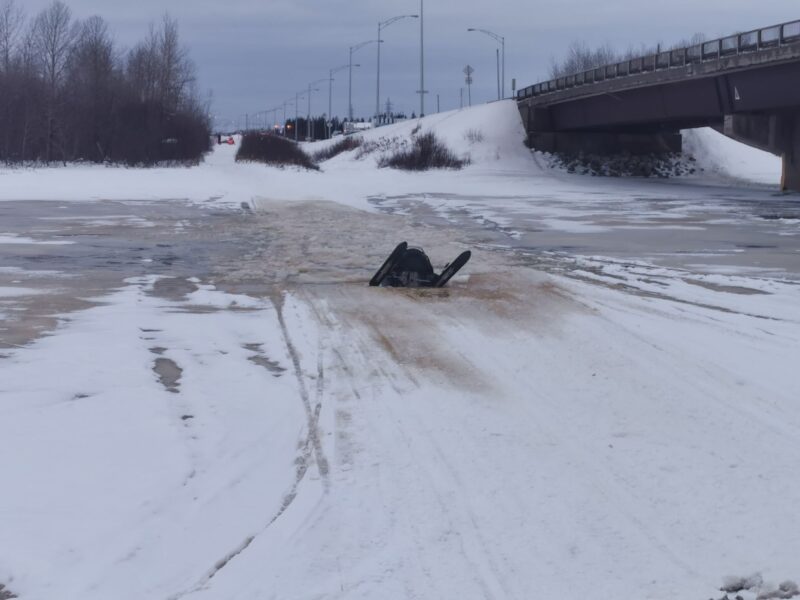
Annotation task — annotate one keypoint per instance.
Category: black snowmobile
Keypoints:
(411, 267)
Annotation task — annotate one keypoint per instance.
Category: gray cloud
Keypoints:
(254, 54)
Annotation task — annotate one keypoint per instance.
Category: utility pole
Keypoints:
(468, 71)
(461, 97)
(437, 103)
(422, 91)
(497, 51)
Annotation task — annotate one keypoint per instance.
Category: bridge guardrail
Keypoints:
(733, 45)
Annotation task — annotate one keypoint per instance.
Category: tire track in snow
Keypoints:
(434, 476)
(311, 447)
(312, 414)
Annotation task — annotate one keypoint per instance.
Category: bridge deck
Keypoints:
(771, 45)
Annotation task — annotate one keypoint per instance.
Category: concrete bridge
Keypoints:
(747, 86)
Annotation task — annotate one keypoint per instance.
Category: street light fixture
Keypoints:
(350, 65)
(384, 25)
(502, 41)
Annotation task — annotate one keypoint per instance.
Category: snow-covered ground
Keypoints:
(201, 398)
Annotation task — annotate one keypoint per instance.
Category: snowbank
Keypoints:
(491, 136)
(718, 154)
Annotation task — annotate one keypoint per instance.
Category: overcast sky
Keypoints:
(255, 54)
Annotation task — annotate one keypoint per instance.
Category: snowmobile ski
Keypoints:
(452, 269)
(389, 264)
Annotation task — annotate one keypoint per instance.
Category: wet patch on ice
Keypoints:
(31, 316)
(169, 374)
(260, 359)
(730, 289)
(173, 288)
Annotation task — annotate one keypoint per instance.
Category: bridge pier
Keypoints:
(778, 133)
(790, 178)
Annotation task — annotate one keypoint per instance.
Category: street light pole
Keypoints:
(497, 52)
(330, 92)
(421, 58)
(285, 103)
(308, 120)
(502, 41)
(350, 85)
(384, 25)
(297, 97)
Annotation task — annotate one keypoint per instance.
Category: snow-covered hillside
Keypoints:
(201, 397)
(720, 155)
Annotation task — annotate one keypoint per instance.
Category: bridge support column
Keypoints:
(605, 143)
(790, 178)
(778, 133)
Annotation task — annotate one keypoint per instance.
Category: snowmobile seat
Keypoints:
(414, 269)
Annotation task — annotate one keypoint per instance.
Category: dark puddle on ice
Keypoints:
(173, 288)
(169, 374)
(260, 359)
(730, 289)
(111, 241)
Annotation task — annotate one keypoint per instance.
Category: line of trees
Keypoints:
(580, 57)
(68, 93)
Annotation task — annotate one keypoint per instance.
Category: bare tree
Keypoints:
(176, 70)
(11, 20)
(142, 66)
(66, 93)
(582, 58)
(53, 35)
(90, 88)
(161, 67)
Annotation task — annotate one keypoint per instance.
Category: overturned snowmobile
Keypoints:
(411, 267)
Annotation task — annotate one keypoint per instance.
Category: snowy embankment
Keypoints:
(720, 155)
(225, 410)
